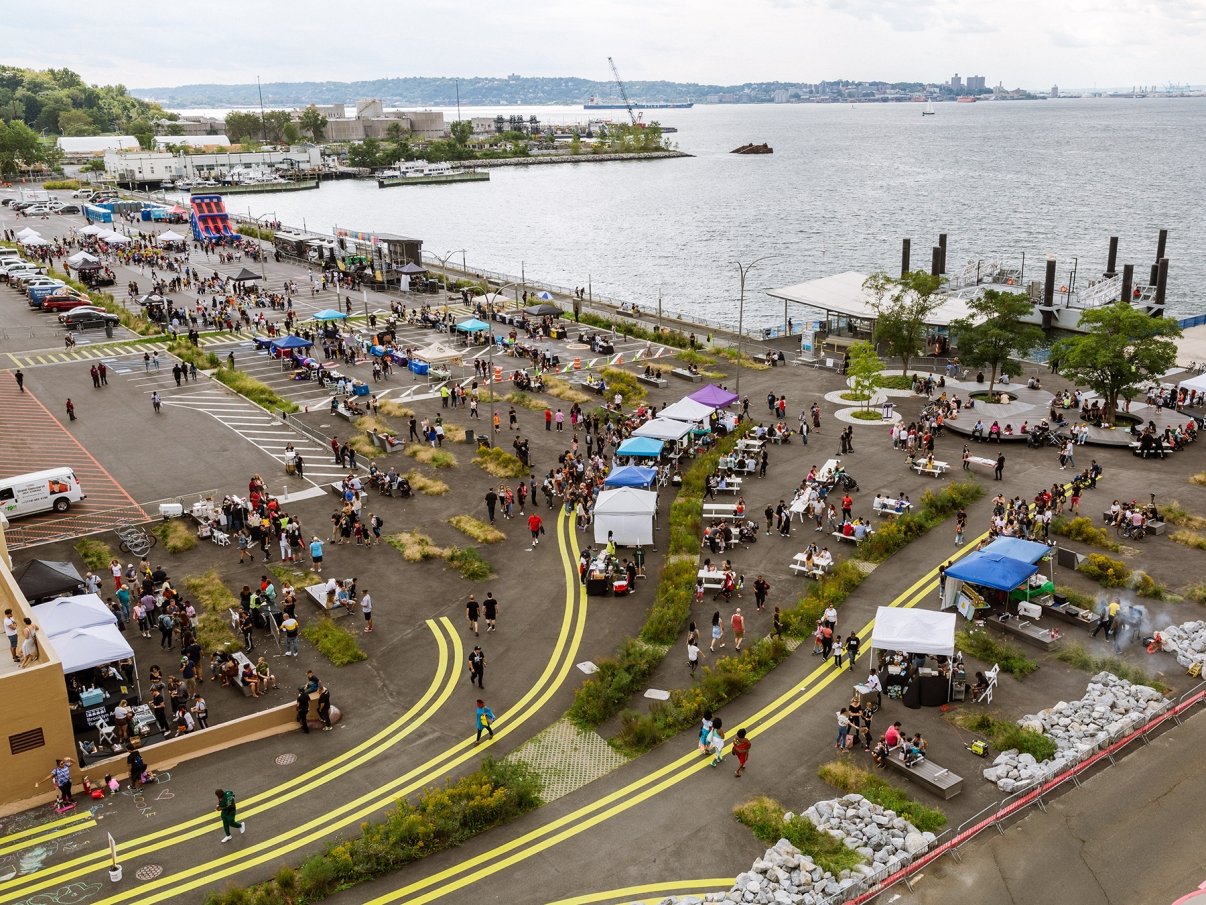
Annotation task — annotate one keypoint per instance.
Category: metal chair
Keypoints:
(106, 734)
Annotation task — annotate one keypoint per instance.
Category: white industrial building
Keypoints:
(141, 167)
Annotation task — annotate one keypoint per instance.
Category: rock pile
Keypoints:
(1110, 708)
(784, 876)
(1186, 642)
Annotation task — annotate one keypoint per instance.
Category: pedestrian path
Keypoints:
(260, 429)
(105, 350)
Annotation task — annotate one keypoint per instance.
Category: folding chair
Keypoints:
(106, 734)
(221, 538)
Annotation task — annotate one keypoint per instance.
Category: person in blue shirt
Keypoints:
(484, 716)
(316, 553)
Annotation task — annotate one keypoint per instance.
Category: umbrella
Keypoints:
(542, 310)
(245, 275)
(329, 314)
(546, 296)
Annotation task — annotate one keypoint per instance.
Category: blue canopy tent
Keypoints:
(473, 325)
(1015, 548)
(329, 314)
(290, 342)
(641, 447)
(631, 476)
(988, 570)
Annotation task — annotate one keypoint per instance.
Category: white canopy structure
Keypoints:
(663, 429)
(843, 294)
(82, 257)
(687, 409)
(28, 233)
(169, 235)
(628, 514)
(68, 613)
(33, 240)
(914, 631)
(84, 648)
(492, 298)
(1194, 383)
(115, 238)
(91, 230)
(438, 352)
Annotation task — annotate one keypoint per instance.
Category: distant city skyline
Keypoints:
(1026, 44)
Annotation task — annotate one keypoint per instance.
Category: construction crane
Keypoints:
(623, 91)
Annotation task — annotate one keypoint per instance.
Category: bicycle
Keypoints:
(134, 540)
(1132, 532)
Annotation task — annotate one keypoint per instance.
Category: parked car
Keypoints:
(85, 319)
(41, 287)
(86, 194)
(70, 209)
(25, 277)
(65, 299)
(83, 309)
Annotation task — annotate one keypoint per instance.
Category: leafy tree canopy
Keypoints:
(993, 333)
(903, 307)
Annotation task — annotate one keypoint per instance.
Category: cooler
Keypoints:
(170, 510)
(92, 697)
(619, 588)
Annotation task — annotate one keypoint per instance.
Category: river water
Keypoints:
(845, 184)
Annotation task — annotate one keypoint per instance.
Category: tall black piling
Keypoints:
(905, 247)
(1112, 260)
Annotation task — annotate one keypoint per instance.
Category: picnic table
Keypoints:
(982, 460)
(889, 506)
(819, 566)
(747, 444)
(713, 580)
(729, 485)
(719, 511)
(852, 538)
(936, 469)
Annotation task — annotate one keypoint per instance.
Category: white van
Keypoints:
(38, 491)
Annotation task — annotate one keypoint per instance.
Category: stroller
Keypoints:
(846, 482)
(1041, 435)
(747, 532)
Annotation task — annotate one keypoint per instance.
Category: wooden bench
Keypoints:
(719, 510)
(928, 774)
(661, 382)
(937, 470)
(684, 374)
(318, 593)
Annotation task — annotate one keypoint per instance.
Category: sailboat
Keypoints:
(929, 109)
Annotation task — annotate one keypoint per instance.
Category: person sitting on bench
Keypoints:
(880, 753)
(912, 754)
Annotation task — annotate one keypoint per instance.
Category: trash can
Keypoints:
(469, 435)
(109, 334)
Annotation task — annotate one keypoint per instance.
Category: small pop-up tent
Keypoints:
(626, 513)
(988, 570)
(631, 476)
(641, 448)
(473, 325)
(687, 409)
(290, 342)
(663, 429)
(714, 396)
(543, 309)
(329, 314)
(169, 235)
(43, 578)
(438, 353)
(84, 648)
(914, 631)
(82, 257)
(245, 276)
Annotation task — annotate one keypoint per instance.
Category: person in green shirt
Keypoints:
(226, 807)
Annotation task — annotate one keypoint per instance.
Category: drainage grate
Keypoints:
(284, 760)
(149, 871)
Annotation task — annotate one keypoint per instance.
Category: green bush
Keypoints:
(1146, 586)
(442, 818)
(470, 564)
(254, 390)
(618, 678)
(96, 554)
(1082, 529)
(1190, 539)
(895, 382)
(800, 621)
(190, 354)
(984, 647)
(214, 602)
(846, 777)
(1076, 598)
(176, 536)
(626, 327)
(715, 686)
(334, 642)
(764, 817)
(672, 602)
(1109, 573)
(625, 383)
(498, 462)
(63, 184)
(1076, 656)
(1005, 735)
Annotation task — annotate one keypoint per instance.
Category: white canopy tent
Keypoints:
(28, 233)
(82, 257)
(687, 409)
(91, 230)
(492, 298)
(85, 648)
(67, 613)
(1194, 383)
(33, 240)
(114, 238)
(627, 513)
(169, 235)
(914, 631)
(663, 429)
(437, 353)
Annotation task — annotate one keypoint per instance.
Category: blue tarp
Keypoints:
(640, 446)
(473, 325)
(992, 570)
(1016, 548)
(631, 476)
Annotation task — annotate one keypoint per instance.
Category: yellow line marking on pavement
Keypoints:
(442, 684)
(573, 624)
(640, 790)
(630, 895)
(15, 360)
(41, 360)
(46, 831)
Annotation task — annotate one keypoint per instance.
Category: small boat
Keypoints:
(929, 109)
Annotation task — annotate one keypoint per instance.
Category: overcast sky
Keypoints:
(1022, 43)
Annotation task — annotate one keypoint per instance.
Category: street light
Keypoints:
(258, 239)
(743, 271)
(490, 357)
(444, 264)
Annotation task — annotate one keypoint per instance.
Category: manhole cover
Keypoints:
(149, 871)
(284, 760)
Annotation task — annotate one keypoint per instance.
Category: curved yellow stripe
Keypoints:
(441, 686)
(47, 831)
(659, 891)
(205, 875)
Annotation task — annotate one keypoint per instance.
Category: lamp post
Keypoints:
(258, 223)
(444, 264)
(743, 271)
(490, 359)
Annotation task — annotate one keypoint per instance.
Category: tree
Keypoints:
(864, 370)
(575, 144)
(275, 126)
(993, 333)
(462, 131)
(903, 306)
(76, 122)
(1122, 349)
(313, 123)
(240, 125)
(19, 147)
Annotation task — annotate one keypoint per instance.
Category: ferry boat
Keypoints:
(420, 172)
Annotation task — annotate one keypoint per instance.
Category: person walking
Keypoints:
(692, 654)
(156, 402)
(737, 623)
(741, 748)
(535, 525)
(324, 707)
(70, 409)
(777, 624)
(95, 376)
(761, 588)
(366, 607)
(316, 553)
(19, 376)
(716, 742)
(490, 611)
(226, 807)
(839, 651)
(717, 631)
(472, 611)
(484, 718)
(491, 503)
(999, 469)
(303, 709)
(843, 729)
(477, 667)
(10, 631)
(291, 629)
(852, 645)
